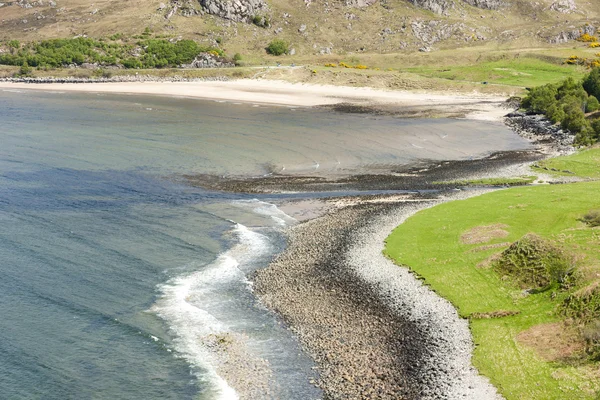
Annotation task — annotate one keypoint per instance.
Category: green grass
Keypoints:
(584, 164)
(522, 71)
(518, 181)
(429, 243)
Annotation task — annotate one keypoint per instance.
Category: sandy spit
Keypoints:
(271, 92)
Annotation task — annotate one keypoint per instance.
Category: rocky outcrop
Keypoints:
(564, 6)
(539, 130)
(207, 60)
(235, 10)
(440, 7)
(360, 3)
(430, 32)
(487, 4)
(567, 36)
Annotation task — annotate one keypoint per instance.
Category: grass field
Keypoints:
(523, 71)
(585, 164)
(430, 244)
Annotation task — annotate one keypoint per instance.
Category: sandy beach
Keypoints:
(258, 91)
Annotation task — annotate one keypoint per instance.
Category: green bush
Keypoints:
(277, 47)
(583, 305)
(536, 264)
(592, 104)
(592, 218)
(591, 83)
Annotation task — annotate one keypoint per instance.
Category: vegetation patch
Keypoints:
(145, 53)
(585, 164)
(567, 103)
(494, 314)
(518, 181)
(483, 234)
(535, 263)
(553, 341)
(591, 218)
(278, 47)
(430, 244)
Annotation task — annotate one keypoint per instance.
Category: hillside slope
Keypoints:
(312, 27)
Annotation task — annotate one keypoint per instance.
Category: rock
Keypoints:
(487, 4)
(235, 10)
(161, 7)
(573, 34)
(208, 60)
(440, 7)
(302, 28)
(292, 51)
(360, 3)
(563, 6)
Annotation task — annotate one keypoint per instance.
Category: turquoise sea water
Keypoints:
(116, 279)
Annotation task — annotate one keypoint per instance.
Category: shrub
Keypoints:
(592, 218)
(277, 47)
(583, 305)
(535, 263)
(331, 65)
(25, 69)
(591, 83)
(262, 21)
(237, 58)
(360, 66)
(591, 335)
(592, 104)
(587, 38)
(594, 45)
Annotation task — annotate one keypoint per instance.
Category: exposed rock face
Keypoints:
(207, 60)
(487, 4)
(564, 6)
(360, 3)
(235, 10)
(567, 36)
(430, 32)
(437, 6)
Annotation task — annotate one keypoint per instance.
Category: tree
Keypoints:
(25, 69)
(540, 99)
(591, 83)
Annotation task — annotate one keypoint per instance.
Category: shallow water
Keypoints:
(116, 280)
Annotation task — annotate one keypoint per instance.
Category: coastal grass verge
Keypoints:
(524, 71)
(524, 343)
(516, 181)
(584, 164)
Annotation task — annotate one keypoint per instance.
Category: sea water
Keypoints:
(117, 280)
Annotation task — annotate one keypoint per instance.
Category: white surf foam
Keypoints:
(267, 209)
(184, 300)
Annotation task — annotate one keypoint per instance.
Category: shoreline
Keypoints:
(280, 93)
(374, 330)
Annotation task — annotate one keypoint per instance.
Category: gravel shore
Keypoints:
(374, 330)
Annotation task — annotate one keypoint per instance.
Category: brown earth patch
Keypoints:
(494, 314)
(487, 263)
(484, 233)
(488, 246)
(552, 341)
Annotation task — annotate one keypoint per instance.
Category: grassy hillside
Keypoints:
(323, 31)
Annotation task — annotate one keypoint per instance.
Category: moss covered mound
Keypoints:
(535, 263)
